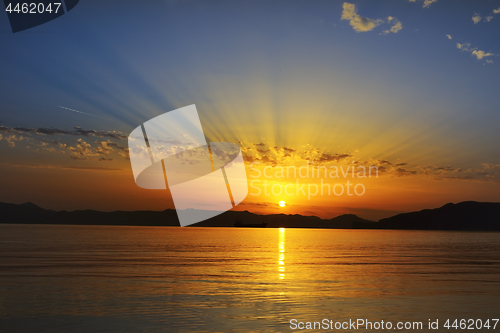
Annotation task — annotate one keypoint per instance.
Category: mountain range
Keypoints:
(467, 215)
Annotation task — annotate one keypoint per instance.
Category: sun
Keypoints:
(282, 203)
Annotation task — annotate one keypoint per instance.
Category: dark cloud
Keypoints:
(404, 172)
(9, 130)
(78, 131)
(68, 167)
(255, 204)
(332, 157)
(459, 177)
(44, 131)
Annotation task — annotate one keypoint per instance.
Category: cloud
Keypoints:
(489, 62)
(273, 155)
(476, 18)
(449, 37)
(83, 150)
(99, 134)
(395, 28)
(463, 47)
(256, 204)
(403, 172)
(481, 54)
(13, 138)
(358, 22)
(80, 151)
(55, 131)
(107, 150)
(107, 147)
(364, 24)
(487, 172)
(426, 4)
(65, 167)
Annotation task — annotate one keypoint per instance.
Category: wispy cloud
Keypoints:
(397, 26)
(463, 47)
(426, 3)
(479, 54)
(449, 37)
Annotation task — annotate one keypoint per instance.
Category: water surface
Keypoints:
(162, 279)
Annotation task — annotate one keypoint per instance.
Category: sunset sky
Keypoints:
(411, 87)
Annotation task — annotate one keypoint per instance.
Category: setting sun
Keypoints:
(282, 203)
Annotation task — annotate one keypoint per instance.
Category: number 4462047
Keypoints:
(33, 8)
(471, 324)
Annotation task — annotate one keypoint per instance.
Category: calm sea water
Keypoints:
(154, 279)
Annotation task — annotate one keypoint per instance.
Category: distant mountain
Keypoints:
(228, 219)
(29, 213)
(462, 216)
(468, 215)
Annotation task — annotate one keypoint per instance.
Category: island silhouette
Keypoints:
(469, 215)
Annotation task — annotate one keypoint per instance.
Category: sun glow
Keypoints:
(282, 203)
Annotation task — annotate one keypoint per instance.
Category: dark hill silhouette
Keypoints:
(228, 219)
(29, 213)
(462, 216)
(468, 215)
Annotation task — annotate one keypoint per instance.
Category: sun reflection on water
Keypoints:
(281, 258)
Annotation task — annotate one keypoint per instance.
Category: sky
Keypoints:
(408, 87)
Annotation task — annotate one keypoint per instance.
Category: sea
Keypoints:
(67, 278)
